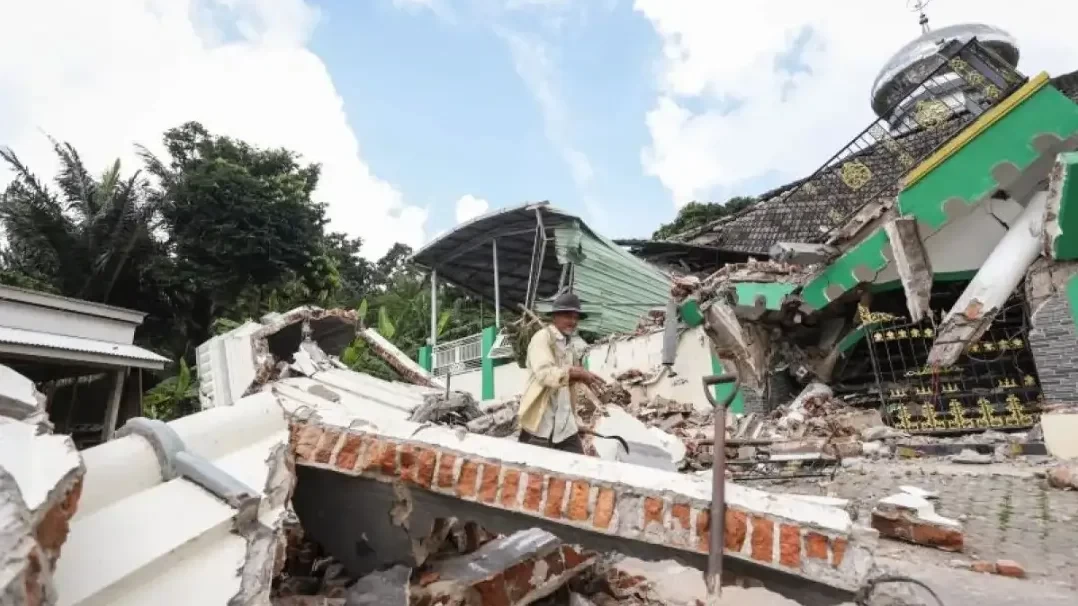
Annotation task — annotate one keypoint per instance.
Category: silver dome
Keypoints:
(915, 61)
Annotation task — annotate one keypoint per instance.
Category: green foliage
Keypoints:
(172, 397)
(698, 214)
(224, 232)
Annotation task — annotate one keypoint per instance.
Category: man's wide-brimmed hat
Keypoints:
(568, 302)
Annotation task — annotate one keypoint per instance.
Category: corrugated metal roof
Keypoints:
(616, 289)
(62, 347)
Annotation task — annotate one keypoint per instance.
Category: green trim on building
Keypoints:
(1072, 297)
(967, 174)
(853, 338)
(1064, 234)
(586, 362)
(774, 293)
(722, 391)
(425, 358)
(866, 256)
(691, 314)
(490, 333)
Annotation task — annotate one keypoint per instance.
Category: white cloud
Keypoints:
(107, 75)
(722, 116)
(533, 64)
(470, 207)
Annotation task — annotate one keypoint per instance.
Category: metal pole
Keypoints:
(433, 310)
(713, 577)
(497, 287)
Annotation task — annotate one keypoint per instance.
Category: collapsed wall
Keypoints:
(432, 472)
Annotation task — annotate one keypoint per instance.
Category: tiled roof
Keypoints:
(776, 218)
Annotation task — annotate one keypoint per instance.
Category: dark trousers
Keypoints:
(572, 444)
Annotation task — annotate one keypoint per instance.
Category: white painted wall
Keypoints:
(608, 360)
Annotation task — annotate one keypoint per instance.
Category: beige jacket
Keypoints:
(546, 374)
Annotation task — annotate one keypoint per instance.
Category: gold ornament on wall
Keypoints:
(855, 174)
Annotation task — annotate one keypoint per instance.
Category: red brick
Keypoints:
(469, 474)
(735, 530)
(681, 513)
(573, 558)
(425, 465)
(518, 580)
(703, 527)
(604, 508)
(408, 463)
(488, 486)
(533, 493)
(907, 527)
(763, 539)
(349, 452)
(324, 452)
(790, 545)
(388, 459)
(52, 530)
(1010, 568)
(555, 561)
(815, 546)
(307, 442)
(492, 591)
(653, 511)
(446, 467)
(555, 494)
(838, 551)
(578, 501)
(510, 488)
(983, 566)
(373, 456)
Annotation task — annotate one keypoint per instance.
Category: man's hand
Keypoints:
(580, 375)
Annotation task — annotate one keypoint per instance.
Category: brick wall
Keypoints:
(1054, 342)
(769, 530)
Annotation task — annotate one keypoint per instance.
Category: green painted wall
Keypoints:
(968, 173)
(425, 358)
(773, 292)
(723, 391)
(1065, 245)
(869, 253)
(690, 313)
(489, 334)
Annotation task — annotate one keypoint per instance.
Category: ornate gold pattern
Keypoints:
(880, 134)
(1029, 381)
(958, 416)
(835, 215)
(905, 419)
(988, 416)
(872, 317)
(931, 419)
(931, 113)
(1018, 414)
(855, 174)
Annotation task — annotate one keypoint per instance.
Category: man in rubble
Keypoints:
(547, 408)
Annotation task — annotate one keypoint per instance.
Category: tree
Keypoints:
(698, 214)
(241, 227)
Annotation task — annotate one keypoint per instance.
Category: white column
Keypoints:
(433, 310)
(989, 290)
(497, 287)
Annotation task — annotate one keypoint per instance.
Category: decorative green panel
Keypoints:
(737, 406)
(425, 359)
(868, 256)
(490, 333)
(1065, 240)
(774, 293)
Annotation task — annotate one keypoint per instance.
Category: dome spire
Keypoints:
(919, 7)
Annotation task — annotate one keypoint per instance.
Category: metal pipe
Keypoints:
(713, 576)
(433, 309)
(497, 287)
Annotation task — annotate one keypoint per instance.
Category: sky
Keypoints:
(427, 113)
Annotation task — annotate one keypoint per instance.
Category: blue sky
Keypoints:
(417, 110)
(442, 112)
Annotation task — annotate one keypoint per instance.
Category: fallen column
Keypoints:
(496, 481)
(989, 290)
(405, 366)
(911, 262)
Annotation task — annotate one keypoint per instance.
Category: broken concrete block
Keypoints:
(384, 588)
(971, 457)
(912, 264)
(1059, 430)
(914, 519)
(1010, 568)
(514, 570)
(40, 484)
(20, 400)
(1063, 476)
(646, 447)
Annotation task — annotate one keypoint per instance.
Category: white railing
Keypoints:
(458, 356)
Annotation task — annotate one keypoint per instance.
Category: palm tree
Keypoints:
(83, 239)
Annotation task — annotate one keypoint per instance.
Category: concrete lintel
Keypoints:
(912, 264)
